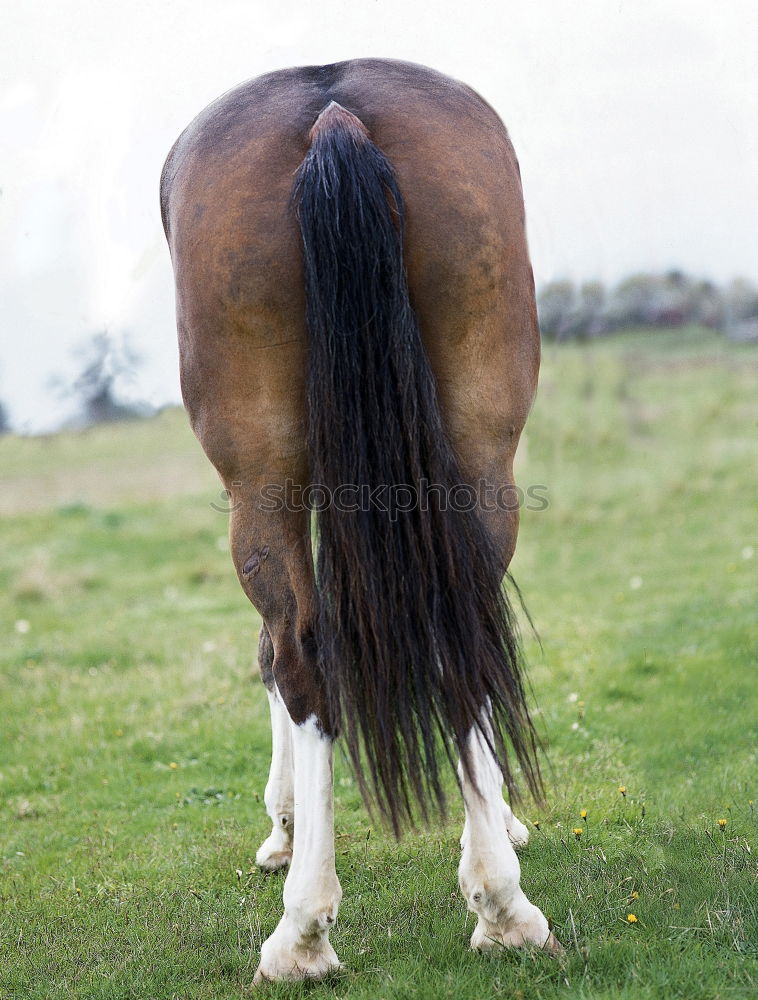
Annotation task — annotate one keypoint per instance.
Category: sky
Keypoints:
(635, 123)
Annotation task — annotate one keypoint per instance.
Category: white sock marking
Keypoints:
(300, 944)
(279, 795)
(489, 872)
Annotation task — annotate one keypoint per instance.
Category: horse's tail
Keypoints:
(415, 636)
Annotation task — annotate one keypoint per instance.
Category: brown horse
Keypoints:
(358, 338)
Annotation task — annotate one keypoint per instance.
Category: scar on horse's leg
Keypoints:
(489, 872)
(279, 796)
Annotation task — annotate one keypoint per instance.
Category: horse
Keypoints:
(359, 346)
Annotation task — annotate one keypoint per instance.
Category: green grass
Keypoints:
(134, 736)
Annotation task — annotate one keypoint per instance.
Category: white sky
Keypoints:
(635, 121)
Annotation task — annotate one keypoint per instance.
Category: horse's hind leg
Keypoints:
(272, 555)
(489, 872)
(300, 947)
(484, 427)
(279, 796)
(517, 832)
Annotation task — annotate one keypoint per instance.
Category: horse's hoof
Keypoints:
(271, 861)
(518, 834)
(299, 947)
(489, 938)
(296, 968)
(275, 852)
(525, 928)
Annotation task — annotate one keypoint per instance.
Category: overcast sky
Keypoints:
(635, 122)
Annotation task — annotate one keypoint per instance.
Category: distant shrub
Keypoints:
(645, 300)
(556, 304)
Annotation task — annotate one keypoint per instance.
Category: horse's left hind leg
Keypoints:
(489, 872)
(279, 796)
(299, 946)
(271, 551)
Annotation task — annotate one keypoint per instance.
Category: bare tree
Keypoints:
(106, 366)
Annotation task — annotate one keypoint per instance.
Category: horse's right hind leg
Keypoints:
(279, 796)
(489, 872)
(518, 834)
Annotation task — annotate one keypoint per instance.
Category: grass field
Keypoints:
(134, 742)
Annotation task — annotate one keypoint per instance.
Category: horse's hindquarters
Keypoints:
(241, 313)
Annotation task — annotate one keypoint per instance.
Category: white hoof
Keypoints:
(276, 850)
(488, 936)
(293, 967)
(517, 832)
(288, 955)
(525, 926)
(271, 857)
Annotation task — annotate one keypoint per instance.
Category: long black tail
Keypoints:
(415, 636)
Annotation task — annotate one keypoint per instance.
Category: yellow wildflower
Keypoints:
(634, 895)
(631, 919)
(583, 814)
(722, 824)
(536, 824)
(173, 765)
(622, 790)
(578, 832)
